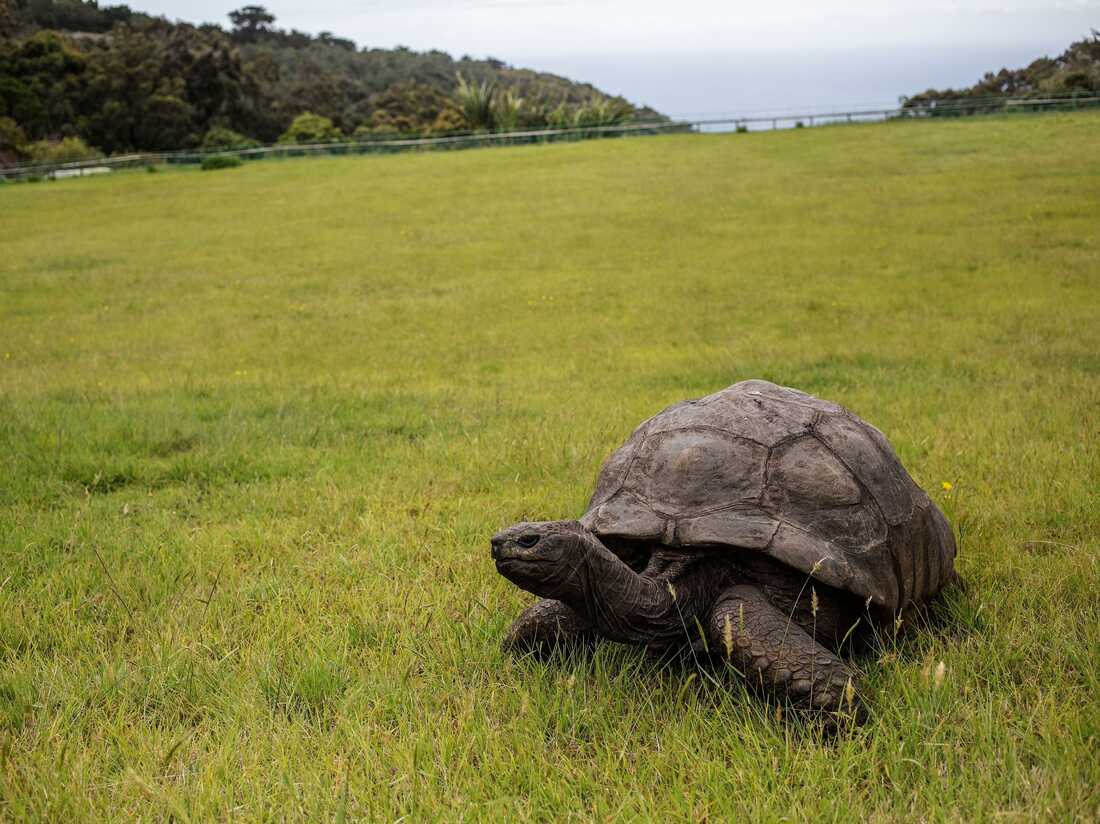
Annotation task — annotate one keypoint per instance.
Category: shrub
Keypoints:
(61, 151)
(363, 132)
(12, 139)
(220, 161)
(367, 133)
(222, 138)
(394, 123)
(311, 128)
(450, 119)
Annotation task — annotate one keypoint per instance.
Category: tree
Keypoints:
(41, 81)
(329, 39)
(9, 23)
(166, 123)
(250, 23)
(69, 15)
(12, 140)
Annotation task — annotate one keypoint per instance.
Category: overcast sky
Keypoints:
(656, 51)
(515, 28)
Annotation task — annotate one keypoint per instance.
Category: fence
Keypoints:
(958, 107)
(943, 108)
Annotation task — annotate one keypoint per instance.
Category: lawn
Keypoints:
(257, 426)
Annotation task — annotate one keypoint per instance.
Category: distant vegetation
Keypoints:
(1075, 72)
(220, 161)
(121, 80)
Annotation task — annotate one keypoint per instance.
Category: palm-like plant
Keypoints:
(600, 112)
(560, 117)
(507, 110)
(476, 101)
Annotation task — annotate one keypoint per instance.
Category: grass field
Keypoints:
(258, 425)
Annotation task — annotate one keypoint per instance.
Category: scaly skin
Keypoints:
(548, 625)
(777, 655)
(588, 592)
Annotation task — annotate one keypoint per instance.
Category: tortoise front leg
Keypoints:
(548, 625)
(776, 654)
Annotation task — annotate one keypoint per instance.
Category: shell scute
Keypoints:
(612, 474)
(752, 415)
(693, 469)
(877, 468)
(625, 515)
(818, 556)
(751, 530)
(808, 475)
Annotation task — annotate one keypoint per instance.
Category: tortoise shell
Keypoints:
(767, 468)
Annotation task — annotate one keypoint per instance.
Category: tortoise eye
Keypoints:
(527, 541)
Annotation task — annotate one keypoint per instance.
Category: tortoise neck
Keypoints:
(621, 604)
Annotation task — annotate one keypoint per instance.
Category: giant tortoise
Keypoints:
(759, 525)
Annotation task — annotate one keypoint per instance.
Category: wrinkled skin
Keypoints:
(755, 614)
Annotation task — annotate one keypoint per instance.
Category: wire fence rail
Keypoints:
(942, 108)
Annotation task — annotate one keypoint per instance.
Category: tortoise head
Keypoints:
(543, 557)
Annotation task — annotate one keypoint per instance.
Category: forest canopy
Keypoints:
(119, 80)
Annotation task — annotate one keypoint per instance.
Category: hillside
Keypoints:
(121, 80)
(1075, 71)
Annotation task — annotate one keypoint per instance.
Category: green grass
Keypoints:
(256, 430)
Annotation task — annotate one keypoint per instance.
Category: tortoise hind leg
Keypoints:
(546, 626)
(775, 653)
